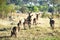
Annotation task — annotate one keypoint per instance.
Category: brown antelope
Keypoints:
(14, 31)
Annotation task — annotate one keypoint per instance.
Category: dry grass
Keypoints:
(38, 32)
(42, 31)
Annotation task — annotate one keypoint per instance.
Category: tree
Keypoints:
(51, 10)
(5, 9)
(55, 5)
(58, 9)
(2, 7)
(43, 8)
(16, 2)
(55, 1)
(9, 9)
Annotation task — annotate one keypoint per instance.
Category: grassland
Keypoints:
(42, 31)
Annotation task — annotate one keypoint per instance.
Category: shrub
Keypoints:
(45, 15)
(24, 9)
(35, 9)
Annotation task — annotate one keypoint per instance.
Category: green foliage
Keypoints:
(2, 7)
(2, 2)
(5, 9)
(55, 1)
(17, 2)
(24, 9)
(43, 8)
(11, 8)
(17, 7)
(35, 9)
(51, 9)
(30, 8)
(58, 9)
(38, 8)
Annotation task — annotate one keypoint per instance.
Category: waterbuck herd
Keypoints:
(27, 21)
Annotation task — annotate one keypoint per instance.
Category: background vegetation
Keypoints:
(9, 6)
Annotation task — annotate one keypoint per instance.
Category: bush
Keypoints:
(24, 9)
(45, 15)
(43, 8)
(51, 9)
(35, 9)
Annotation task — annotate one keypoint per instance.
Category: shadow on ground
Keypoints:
(5, 36)
(5, 29)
